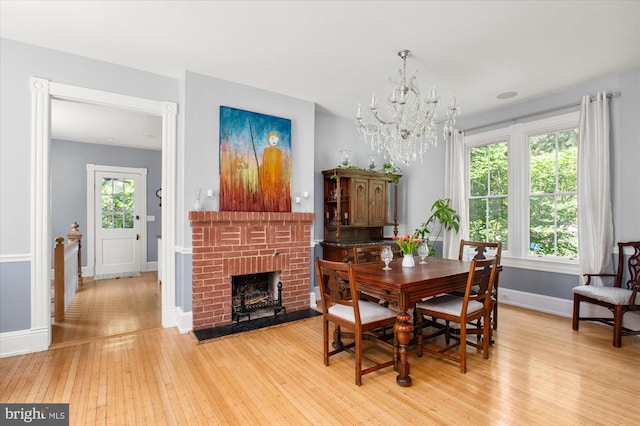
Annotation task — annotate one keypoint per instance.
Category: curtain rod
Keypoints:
(533, 114)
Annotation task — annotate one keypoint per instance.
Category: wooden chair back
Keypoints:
(368, 254)
(336, 283)
(633, 266)
(481, 248)
(618, 299)
(481, 281)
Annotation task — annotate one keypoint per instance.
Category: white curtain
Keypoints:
(454, 188)
(595, 226)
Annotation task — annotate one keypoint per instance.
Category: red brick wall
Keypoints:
(238, 243)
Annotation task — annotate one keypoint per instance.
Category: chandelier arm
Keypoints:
(411, 127)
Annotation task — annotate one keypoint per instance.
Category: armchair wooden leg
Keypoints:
(576, 311)
(617, 325)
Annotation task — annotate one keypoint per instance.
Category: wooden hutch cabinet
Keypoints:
(358, 204)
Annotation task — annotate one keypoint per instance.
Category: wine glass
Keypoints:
(423, 251)
(386, 255)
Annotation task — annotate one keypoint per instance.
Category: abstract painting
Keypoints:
(255, 162)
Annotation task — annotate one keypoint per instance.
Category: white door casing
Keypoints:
(120, 246)
(42, 91)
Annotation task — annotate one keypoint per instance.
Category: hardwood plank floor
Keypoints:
(109, 308)
(545, 375)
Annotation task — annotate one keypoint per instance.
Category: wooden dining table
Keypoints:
(403, 287)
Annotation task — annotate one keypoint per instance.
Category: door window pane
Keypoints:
(118, 206)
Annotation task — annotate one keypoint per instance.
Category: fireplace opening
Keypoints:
(256, 296)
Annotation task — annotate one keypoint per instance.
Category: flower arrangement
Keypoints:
(408, 243)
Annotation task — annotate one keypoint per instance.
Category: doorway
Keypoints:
(117, 202)
(42, 93)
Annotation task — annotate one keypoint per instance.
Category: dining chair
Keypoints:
(473, 306)
(341, 305)
(480, 250)
(616, 298)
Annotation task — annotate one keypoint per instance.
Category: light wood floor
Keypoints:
(540, 372)
(110, 308)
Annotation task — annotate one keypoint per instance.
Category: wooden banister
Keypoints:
(64, 280)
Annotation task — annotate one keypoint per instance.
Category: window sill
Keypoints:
(540, 264)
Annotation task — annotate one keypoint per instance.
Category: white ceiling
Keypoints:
(336, 53)
(82, 122)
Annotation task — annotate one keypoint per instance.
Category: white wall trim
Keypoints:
(22, 342)
(167, 255)
(561, 307)
(15, 258)
(41, 242)
(42, 91)
(540, 264)
(184, 320)
(169, 316)
(184, 250)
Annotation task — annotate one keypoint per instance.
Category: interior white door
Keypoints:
(118, 210)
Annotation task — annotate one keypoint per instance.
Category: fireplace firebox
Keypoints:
(258, 294)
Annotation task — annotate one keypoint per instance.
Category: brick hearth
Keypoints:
(238, 243)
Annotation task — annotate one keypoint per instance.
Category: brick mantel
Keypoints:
(226, 244)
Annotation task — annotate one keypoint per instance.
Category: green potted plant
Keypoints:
(442, 214)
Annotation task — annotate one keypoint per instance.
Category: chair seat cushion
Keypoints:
(613, 295)
(450, 305)
(369, 312)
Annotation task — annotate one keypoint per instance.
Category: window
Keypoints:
(117, 203)
(553, 198)
(488, 192)
(522, 191)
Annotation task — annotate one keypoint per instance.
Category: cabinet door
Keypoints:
(359, 201)
(377, 202)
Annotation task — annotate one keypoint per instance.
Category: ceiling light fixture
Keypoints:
(507, 95)
(411, 125)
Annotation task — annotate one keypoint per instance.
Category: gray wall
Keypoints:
(19, 63)
(69, 186)
(423, 183)
(316, 140)
(625, 153)
(198, 145)
(15, 294)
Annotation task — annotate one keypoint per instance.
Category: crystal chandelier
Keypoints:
(410, 125)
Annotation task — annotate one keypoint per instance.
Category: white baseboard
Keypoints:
(561, 307)
(536, 302)
(185, 321)
(169, 317)
(22, 342)
(315, 293)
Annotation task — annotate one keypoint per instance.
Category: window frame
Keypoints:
(517, 138)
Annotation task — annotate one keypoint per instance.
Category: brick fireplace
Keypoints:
(228, 244)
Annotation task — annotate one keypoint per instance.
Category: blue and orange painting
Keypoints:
(255, 162)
